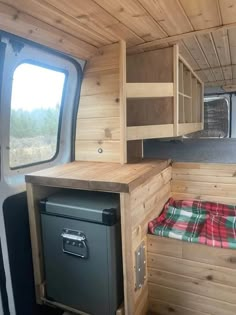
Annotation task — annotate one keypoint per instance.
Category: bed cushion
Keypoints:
(197, 221)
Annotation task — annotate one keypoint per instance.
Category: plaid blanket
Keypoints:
(197, 221)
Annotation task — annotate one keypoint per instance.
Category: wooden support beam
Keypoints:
(121, 310)
(146, 90)
(221, 83)
(123, 104)
(150, 132)
(63, 307)
(229, 88)
(175, 38)
(190, 68)
(187, 128)
(176, 88)
(215, 68)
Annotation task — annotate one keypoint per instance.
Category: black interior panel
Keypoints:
(19, 248)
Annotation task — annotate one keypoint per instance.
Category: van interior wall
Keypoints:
(207, 283)
(196, 150)
(18, 242)
(192, 278)
(99, 134)
(211, 182)
(145, 202)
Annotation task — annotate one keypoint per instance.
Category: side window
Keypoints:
(216, 119)
(36, 103)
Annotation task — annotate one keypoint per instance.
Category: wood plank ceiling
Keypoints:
(204, 29)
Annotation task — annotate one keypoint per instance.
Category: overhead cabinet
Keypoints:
(126, 99)
(164, 95)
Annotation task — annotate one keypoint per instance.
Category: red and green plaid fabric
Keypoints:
(197, 221)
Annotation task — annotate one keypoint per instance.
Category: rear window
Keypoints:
(36, 103)
(216, 119)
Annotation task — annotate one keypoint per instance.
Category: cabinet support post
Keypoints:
(176, 89)
(123, 120)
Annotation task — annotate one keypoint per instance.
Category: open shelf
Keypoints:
(190, 99)
(128, 98)
(149, 132)
(149, 90)
(164, 96)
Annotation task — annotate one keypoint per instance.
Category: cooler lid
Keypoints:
(85, 205)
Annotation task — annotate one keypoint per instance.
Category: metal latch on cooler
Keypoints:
(74, 243)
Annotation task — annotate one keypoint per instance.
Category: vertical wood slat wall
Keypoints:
(101, 121)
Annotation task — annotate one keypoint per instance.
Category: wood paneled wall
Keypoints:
(143, 203)
(100, 134)
(194, 279)
(206, 181)
(190, 279)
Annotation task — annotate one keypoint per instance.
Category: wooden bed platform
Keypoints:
(193, 279)
(186, 278)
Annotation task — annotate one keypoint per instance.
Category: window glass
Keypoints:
(35, 110)
(216, 119)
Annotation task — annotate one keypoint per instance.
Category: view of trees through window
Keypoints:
(35, 110)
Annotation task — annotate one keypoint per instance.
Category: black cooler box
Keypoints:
(82, 250)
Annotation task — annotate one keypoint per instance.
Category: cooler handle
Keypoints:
(74, 243)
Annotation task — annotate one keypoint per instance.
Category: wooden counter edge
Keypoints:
(116, 187)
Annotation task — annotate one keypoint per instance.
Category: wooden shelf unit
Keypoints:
(190, 99)
(126, 99)
(167, 93)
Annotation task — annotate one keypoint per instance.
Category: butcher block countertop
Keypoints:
(111, 177)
